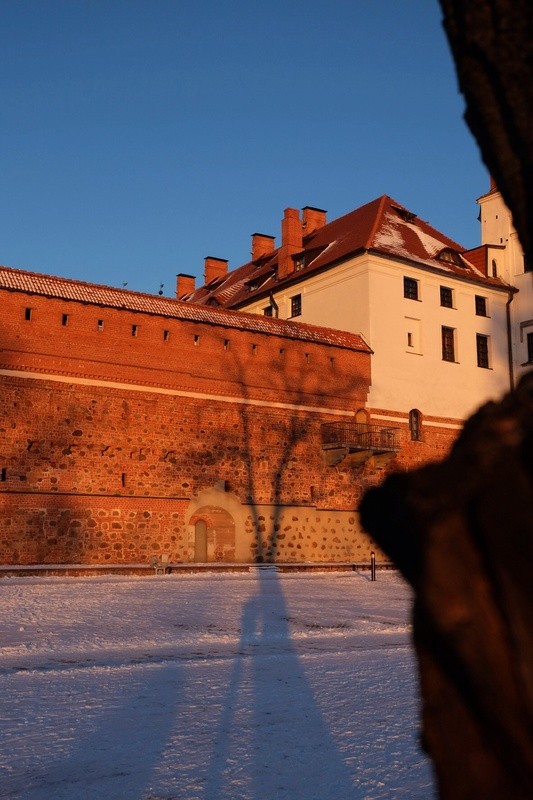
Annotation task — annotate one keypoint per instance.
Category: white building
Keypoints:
(504, 257)
(434, 314)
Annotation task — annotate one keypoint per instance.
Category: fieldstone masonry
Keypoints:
(145, 423)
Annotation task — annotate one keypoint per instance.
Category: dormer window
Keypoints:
(451, 256)
(404, 214)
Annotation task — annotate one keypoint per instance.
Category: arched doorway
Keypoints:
(214, 535)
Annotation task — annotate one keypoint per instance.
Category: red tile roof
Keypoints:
(382, 226)
(34, 283)
(478, 257)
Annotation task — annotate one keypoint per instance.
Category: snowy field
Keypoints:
(252, 686)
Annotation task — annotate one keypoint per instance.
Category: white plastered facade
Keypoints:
(365, 295)
(506, 259)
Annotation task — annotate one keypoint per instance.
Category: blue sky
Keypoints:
(136, 138)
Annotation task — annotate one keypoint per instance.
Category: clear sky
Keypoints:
(139, 136)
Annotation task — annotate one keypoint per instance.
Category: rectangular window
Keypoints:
(448, 344)
(446, 297)
(134, 330)
(409, 339)
(254, 349)
(27, 314)
(100, 325)
(410, 288)
(267, 311)
(166, 336)
(296, 305)
(482, 347)
(226, 344)
(529, 339)
(481, 306)
(196, 340)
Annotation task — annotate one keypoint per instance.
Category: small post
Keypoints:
(372, 566)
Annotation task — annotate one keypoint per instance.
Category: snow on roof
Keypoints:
(91, 293)
(382, 226)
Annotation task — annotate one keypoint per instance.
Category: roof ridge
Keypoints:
(377, 221)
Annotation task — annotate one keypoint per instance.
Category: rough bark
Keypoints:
(492, 45)
(462, 531)
(462, 534)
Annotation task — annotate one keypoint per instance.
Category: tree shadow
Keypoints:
(270, 711)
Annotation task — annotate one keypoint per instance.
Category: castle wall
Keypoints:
(127, 435)
(114, 423)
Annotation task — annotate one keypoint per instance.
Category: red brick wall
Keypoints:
(195, 357)
(76, 529)
(437, 434)
(94, 473)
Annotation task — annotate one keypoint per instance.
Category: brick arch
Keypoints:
(203, 517)
(362, 415)
(225, 519)
(215, 539)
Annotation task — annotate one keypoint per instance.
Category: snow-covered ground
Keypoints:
(256, 686)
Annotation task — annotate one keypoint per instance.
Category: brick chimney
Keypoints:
(312, 219)
(185, 284)
(291, 241)
(262, 245)
(214, 268)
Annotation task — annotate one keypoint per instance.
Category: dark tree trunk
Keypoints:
(462, 534)
(492, 45)
(462, 531)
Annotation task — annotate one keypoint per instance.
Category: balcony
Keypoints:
(340, 439)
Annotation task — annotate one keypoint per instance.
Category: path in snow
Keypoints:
(213, 687)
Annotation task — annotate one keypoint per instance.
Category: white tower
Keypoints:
(505, 259)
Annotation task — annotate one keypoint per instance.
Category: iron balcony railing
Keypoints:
(360, 436)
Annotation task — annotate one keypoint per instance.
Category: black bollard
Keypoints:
(372, 566)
